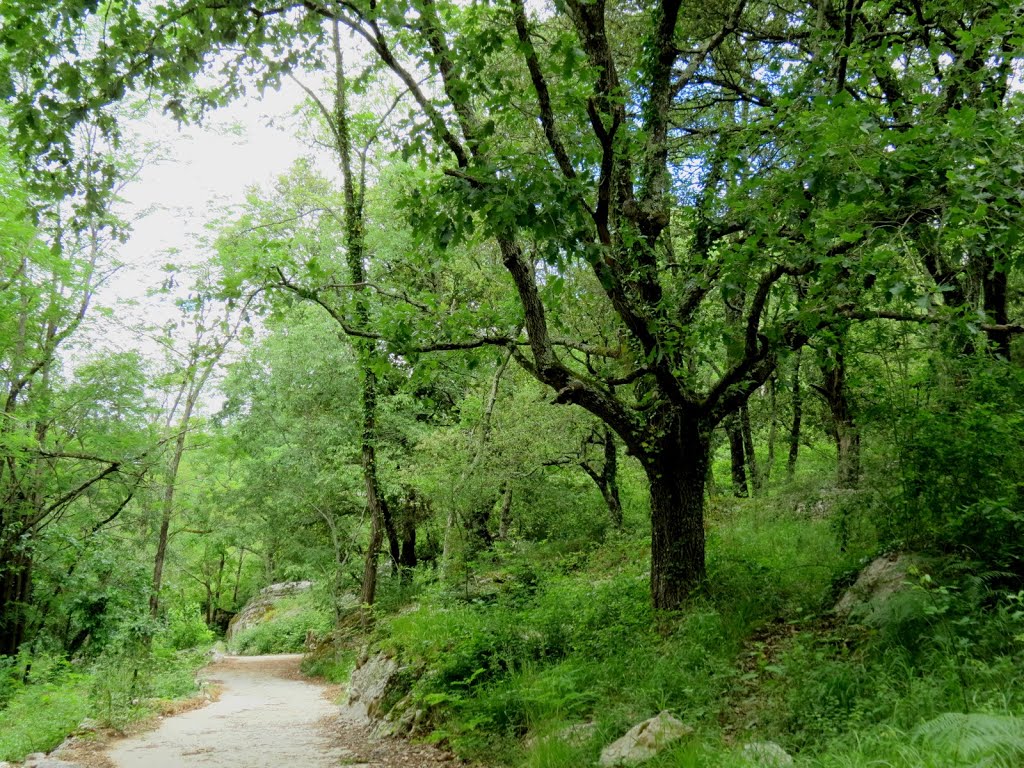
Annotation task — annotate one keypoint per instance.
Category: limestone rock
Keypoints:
(368, 686)
(644, 741)
(577, 735)
(574, 735)
(882, 578)
(260, 606)
(766, 754)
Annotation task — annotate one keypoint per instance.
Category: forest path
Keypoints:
(268, 714)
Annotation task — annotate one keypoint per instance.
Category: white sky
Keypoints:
(205, 171)
(209, 168)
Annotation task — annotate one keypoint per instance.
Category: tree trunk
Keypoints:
(844, 428)
(167, 510)
(676, 474)
(610, 487)
(238, 579)
(369, 592)
(505, 519)
(218, 593)
(773, 423)
(798, 406)
(748, 449)
(607, 479)
(15, 592)
(407, 557)
(394, 545)
(738, 460)
(380, 516)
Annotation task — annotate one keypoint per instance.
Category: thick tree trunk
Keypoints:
(676, 475)
(796, 397)
(369, 591)
(736, 455)
(15, 593)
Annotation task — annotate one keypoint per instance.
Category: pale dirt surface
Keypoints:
(267, 715)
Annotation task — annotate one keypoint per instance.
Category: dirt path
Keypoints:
(267, 715)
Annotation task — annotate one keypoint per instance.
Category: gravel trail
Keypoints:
(267, 715)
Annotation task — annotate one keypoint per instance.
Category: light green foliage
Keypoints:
(547, 643)
(555, 648)
(186, 628)
(126, 683)
(975, 739)
(40, 716)
(328, 662)
(689, 206)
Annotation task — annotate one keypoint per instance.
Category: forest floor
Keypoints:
(267, 714)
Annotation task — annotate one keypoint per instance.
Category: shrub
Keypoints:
(186, 628)
(127, 681)
(962, 471)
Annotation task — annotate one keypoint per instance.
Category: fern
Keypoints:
(976, 739)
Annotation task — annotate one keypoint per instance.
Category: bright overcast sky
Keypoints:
(205, 171)
(208, 168)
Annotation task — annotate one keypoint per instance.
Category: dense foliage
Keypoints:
(589, 356)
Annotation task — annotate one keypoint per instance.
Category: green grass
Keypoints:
(119, 688)
(38, 717)
(755, 656)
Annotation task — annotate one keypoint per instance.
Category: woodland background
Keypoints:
(611, 343)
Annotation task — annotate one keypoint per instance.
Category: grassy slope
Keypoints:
(547, 638)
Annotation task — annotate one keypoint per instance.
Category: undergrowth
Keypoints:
(286, 626)
(47, 699)
(534, 644)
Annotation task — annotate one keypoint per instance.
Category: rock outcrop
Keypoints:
(882, 578)
(369, 685)
(644, 741)
(257, 608)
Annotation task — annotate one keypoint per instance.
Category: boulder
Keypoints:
(880, 580)
(262, 604)
(766, 754)
(368, 686)
(644, 741)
